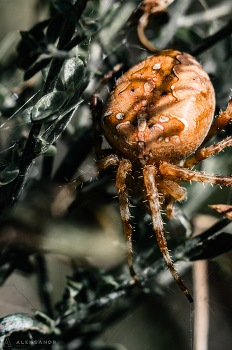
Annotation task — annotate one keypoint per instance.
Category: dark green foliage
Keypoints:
(32, 45)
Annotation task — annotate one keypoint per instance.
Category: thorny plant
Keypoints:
(70, 48)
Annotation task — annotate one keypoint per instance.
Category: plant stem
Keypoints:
(169, 30)
(213, 39)
(201, 300)
(45, 286)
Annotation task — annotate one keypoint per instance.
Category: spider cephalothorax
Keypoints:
(158, 114)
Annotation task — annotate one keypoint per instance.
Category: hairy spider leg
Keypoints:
(206, 152)
(99, 166)
(172, 191)
(143, 22)
(170, 207)
(173, 188)
(188, 175)
(67, 193)
(220, 122)
(149, 174)
(149, 8)
(124, 169)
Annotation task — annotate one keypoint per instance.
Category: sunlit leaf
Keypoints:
(26, 115)
(48, 105)
(73, 73)
(19, 322)
(9, 174)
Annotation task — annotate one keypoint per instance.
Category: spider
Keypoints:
(159, 113)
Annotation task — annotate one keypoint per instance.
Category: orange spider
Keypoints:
(158, 114)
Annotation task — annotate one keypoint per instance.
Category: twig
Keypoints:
(201, 319)
(45, 286)
(213, 39)
(169, 30)
(208, 15)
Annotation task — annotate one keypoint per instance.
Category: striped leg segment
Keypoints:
(170, 207)
(101, 165)
(173, 188)
(124, 170)
(222, 120)
(188, 175)
(149, 174)
(206, 152)
(149, 8)
(67, 193)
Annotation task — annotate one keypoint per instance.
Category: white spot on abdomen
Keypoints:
(148, 87)
(156, 66)
(175, 72)
(175, 138)
(163, 119)
(141, 124)
(183, 121)
(141, 121)
(159, 126)
(122, 124)
(144, 102)
(120, 116)
(107, 113)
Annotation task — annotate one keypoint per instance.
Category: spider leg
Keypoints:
(173, 188)
(67, 193)
(124, 170)
(99, 166)
(143, 22)
(188, 175)
(222, 120)
(149, 8)
(149, 174)
(173, 192)
(170, 207)
(206, 152)
(106, 78)
(96, 106)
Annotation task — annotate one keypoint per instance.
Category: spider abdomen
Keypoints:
(161, 109)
